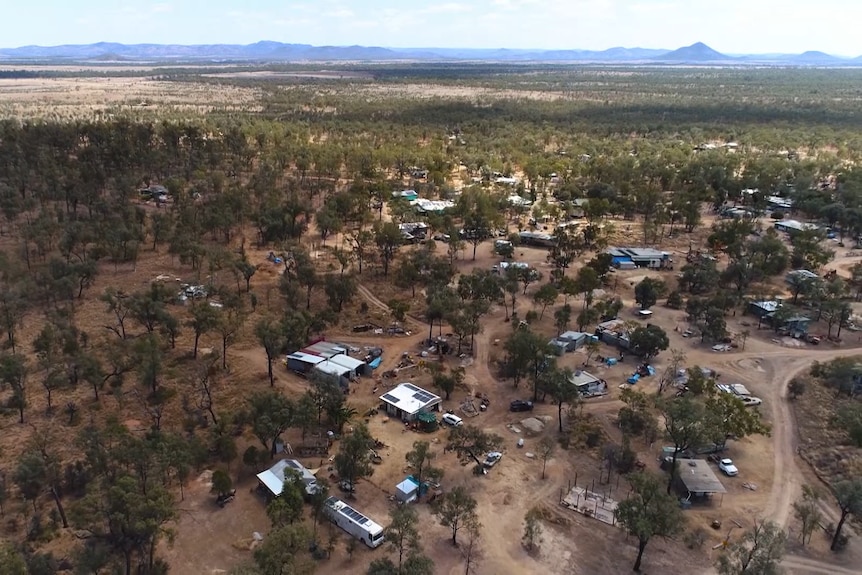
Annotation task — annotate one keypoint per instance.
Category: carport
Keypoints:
(697, 480)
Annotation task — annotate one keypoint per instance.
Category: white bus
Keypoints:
(353, 522)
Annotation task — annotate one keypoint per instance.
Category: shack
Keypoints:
(407, 491)
(570, 341)
(763, 309)
(334, 372)
(325, 349)
(357, 367)
(793, 226)
(409, 195)
(575, 339)
(537, 239)
(613, 332)
(503, 267)
(640, 257)
(302, 363)
(406, 401)
(695, 479)
(795, 325)
(800, 275)
(558, 346)
(416, 229)
(587, 384)
(274, 478)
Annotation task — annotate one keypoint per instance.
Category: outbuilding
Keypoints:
(696, 479)
(334, 372)
(641, 257)
(793, 226)
(406, 401)
(301, 362)
(273, 479)
(325, 349)
(574, 340)
(357, 367)
(587, 384)
(407, 491)
(537, 239)
(762, 309)
(800, 275)
(409, 195)
(613, 332)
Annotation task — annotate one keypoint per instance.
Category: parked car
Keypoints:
(492, 458)
(750, 401)
(521, 405)
(452, 419)
(727, 466)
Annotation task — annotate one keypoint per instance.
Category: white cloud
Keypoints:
(339, 13)
(447, 8)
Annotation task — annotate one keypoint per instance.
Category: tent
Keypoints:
(407, 491)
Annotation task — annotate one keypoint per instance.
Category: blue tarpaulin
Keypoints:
(611, 361)
(375, 363)
(634, 379)
(616, 261)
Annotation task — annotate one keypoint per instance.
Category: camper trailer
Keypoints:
(355, 523)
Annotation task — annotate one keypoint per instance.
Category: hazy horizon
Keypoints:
(733, 26)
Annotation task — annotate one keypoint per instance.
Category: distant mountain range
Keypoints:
(698, 52)
(280, 52)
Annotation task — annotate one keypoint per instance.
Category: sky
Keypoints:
(730, 26)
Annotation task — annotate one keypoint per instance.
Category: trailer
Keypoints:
(355, 523)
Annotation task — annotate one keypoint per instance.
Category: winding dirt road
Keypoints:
(776, 367)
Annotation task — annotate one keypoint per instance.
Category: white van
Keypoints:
(452, 419)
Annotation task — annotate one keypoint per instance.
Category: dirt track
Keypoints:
(778, 368)
(773, 369)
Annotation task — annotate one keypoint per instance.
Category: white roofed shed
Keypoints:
(407, 400)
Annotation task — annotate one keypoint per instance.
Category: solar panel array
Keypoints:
(391, 398)
(423, 396)
(419, 394)
(354, 514)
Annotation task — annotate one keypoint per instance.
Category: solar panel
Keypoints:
(411, 387)
(355, 515)
(391, 398)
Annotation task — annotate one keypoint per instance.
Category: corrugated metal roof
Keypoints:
(698, 476)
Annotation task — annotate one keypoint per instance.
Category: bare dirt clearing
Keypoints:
(274, 75)
(71, 98)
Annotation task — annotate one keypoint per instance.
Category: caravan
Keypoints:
(353, 522)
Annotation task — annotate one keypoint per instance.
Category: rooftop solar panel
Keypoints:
(391, 398)
(423, 396)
